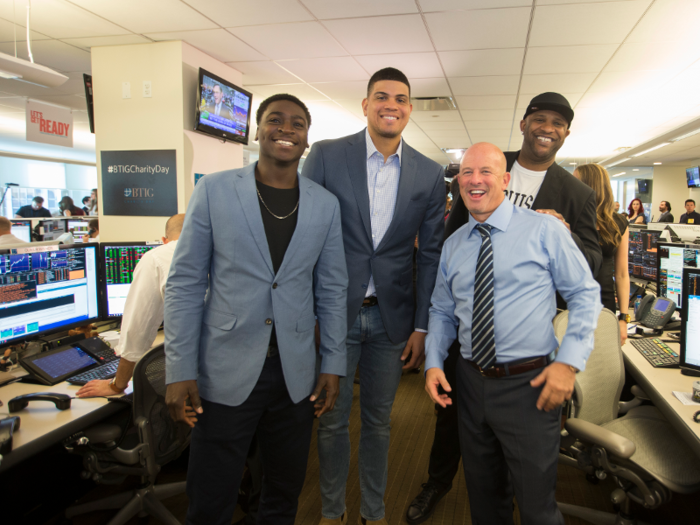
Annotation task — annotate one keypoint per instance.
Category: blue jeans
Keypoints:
(380, 372)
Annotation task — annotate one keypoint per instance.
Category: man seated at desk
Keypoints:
(143, 312)
(6, 236)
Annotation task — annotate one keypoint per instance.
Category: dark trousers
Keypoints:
(507, 445)
(219, 446)
(445, 454)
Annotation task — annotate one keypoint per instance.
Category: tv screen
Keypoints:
(87, 81)
(693, 176)
(642, 186)
(223, 109)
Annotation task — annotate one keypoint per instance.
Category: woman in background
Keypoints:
(636, 212)
(613, 236)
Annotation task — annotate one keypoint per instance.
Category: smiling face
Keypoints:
(283, 132)
(483, 179)
(544, 133)
(387, 108)
(218, 95)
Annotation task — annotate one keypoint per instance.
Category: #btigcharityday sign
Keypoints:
(49, 124)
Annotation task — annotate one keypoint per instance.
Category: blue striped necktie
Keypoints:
(483, 339)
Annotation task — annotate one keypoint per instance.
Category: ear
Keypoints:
(506, 180)
(522, 126)
(257, 130)
(365, 103)
(568, 132)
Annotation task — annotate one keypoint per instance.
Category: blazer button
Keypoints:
(268, 321)
(274, 286)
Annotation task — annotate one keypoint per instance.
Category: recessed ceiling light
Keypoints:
(572, 163)
(618, 162)
(657, 163)
(635, 169)
(618, 174)
(651, 149)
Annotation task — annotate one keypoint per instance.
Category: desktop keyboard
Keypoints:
(657, 353)
(106, 371)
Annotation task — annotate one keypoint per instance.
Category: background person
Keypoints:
(93, 203)
(613, 235)
(690, 216)
(86, 205)
(68, 209)
(6, 236)
(635, 212)
(665, 209)
(35, 209)
(93, 234)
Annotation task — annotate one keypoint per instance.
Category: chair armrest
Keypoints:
(639, 393)
(614, 443)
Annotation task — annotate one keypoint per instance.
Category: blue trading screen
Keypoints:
(643, 254)
(47, 290)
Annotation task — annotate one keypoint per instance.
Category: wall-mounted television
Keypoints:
(223, 109)
(693, 176)
(87, 81)
(642, 186)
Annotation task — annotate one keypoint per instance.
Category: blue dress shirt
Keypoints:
(534, 256)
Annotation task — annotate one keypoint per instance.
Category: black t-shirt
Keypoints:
(281, 202)
(607, 267)
(28, 212)
(695, 216)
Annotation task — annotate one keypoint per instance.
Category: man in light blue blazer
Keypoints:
(388, 194)
(265, 246)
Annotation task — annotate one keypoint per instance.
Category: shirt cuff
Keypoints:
(421, 330)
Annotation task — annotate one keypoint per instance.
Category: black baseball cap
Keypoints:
(552, 102)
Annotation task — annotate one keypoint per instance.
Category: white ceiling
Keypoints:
(630, 68)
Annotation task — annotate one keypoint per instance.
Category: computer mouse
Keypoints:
(62, 401)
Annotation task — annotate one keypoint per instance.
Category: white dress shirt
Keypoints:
(8, 238)
(143, 310)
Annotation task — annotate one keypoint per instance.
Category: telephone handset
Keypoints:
(655, 312)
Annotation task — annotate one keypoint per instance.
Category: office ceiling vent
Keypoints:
(433, 104)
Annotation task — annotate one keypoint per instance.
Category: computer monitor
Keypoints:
(642, 261)
(690, 321)
(78, 227)
(119, 260)
(47, 288)
(672, 259)
(51, 228)
(22, 230)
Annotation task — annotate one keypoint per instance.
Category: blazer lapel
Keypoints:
(549, 191)
(247, 195)
(303, 220)
(356, 154)
(403, 196)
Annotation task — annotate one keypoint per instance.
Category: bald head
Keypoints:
(173, 227)
(5, 226)
(483, 179)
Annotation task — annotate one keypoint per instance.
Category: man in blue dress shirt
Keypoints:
(495, 291)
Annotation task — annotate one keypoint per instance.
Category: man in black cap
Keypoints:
(537, 183)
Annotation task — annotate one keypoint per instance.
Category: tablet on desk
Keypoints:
(57, 365)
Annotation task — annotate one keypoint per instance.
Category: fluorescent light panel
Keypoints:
(689, 134)
(618, 162)
(619, 174)
(651, 149)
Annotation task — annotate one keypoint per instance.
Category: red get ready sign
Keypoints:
(49, 124)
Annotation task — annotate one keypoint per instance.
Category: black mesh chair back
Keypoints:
(169, 438)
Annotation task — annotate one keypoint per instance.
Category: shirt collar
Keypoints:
(371, 150)
(499, 219)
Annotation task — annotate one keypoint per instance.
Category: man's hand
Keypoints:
(558, 380)
(558, 215)
(97, 388)
(435, 377)
(176, 396)
(415, 347)
(331, 384)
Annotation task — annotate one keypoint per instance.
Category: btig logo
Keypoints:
(132, 168)
(127, 191)
(138, 193)
(111, 169)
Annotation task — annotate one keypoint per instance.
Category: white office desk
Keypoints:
(659, 384)
(43, 425)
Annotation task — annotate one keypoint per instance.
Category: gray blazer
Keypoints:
(222, 341)
(340, 166)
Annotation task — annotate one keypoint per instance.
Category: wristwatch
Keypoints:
(114, 387)
(624, 317)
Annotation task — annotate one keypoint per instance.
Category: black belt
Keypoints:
(369, 301)
(508, 369)
(272, 351)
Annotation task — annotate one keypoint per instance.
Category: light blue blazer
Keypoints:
(221, 340)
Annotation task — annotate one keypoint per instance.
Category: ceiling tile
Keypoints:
(566, 82)
(54, 54)
(235, 13)
(627, 82)
(499, 85)
(10, 31)
(480, 29)
(461, 5)
(429, 87)
(354, 105)
(668, 21)
(568, 59)
(483, 125)
(297, 40)
(482, 62)
(217, 43)
(486, 102)
(435, 116)
(323, 9)
(413, 65)
(355, 91)
(152, 16)
(487, 114)
(438, 134)
(95, 41)
(430, 125)
(303, 91)
(407, 33)
(71, 101)
(453, 143)
(267, 72)
(581, 24)
(653, 55)
(326, 69)
(59, 19)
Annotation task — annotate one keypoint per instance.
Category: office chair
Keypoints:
(640, 450)
(160, 440)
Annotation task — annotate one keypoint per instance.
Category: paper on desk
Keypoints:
(686, 398)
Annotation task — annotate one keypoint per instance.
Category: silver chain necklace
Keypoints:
(270, 211)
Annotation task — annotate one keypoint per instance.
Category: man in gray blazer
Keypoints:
(265, 246)
(388, 194)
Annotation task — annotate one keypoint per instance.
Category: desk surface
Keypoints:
(659, 384)
(42, 424)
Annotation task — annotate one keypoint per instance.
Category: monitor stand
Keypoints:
(689, 372)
